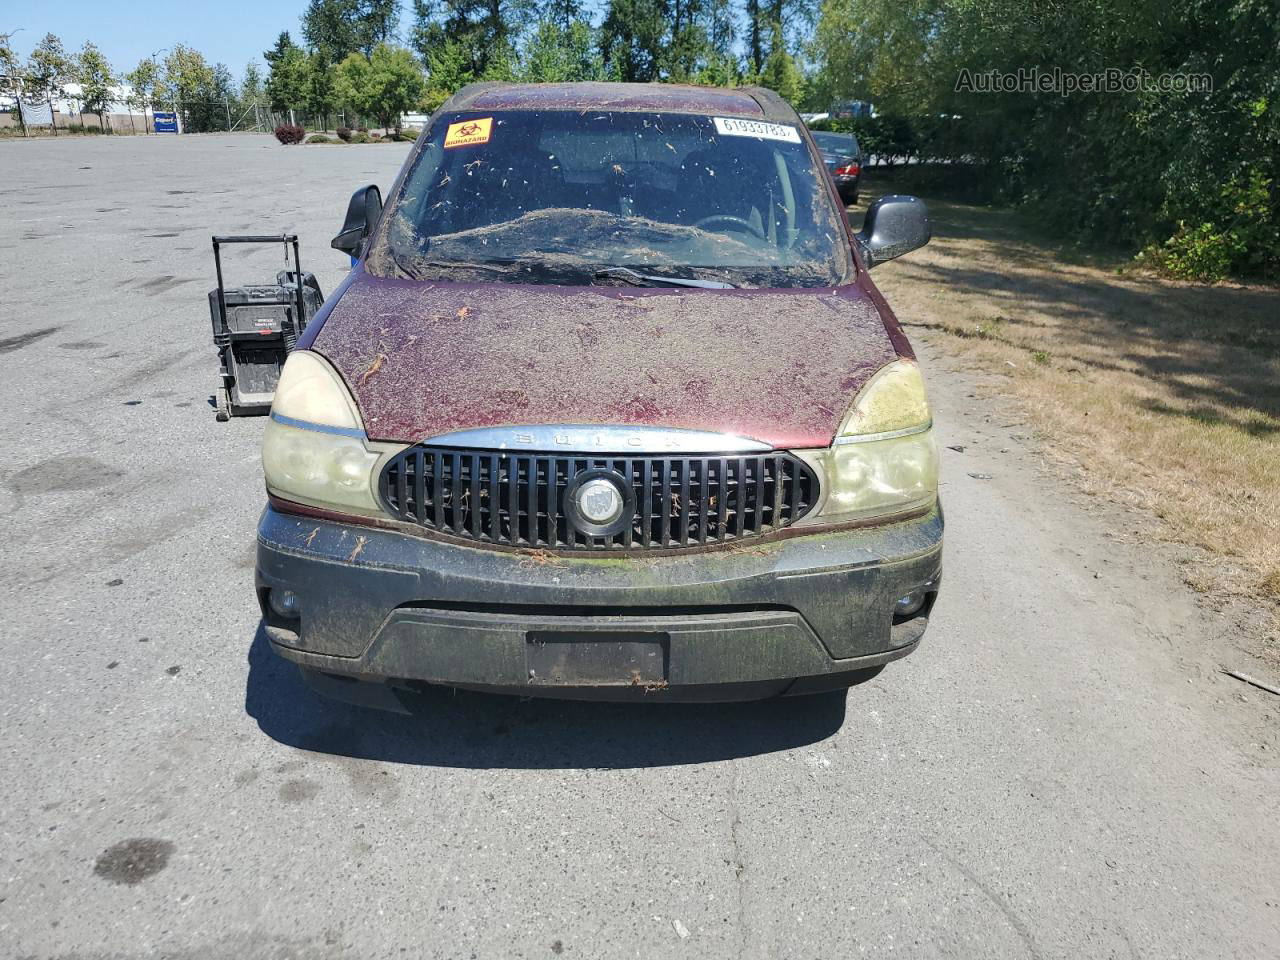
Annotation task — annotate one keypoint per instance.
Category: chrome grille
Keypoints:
(518, 498)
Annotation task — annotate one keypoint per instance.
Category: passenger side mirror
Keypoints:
(894, 225)
(362, 216)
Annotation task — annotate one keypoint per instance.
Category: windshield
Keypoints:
(562, 197)
(843, 144)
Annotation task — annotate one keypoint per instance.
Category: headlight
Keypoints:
(315, 450)
(884, 460)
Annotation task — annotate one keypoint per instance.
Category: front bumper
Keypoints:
(759, 619)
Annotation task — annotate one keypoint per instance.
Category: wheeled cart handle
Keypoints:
(286, 239)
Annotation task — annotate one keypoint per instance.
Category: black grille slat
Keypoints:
(437, 501)
(722, 498)
(645, 495)
(758, 511)
(664, 505)
(492, 506)
(419, 485)
(517, 499)
(681, 504)
(628, 532)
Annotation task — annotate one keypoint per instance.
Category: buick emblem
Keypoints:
(599, 501)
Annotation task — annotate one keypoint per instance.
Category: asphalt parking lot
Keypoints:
(1058, 772)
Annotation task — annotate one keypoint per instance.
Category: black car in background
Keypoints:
(843, 158)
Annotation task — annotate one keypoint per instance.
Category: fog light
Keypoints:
(284, 603)
(909, 605)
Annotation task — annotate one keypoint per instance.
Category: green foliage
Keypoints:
(287, 83)
(448, 69)
(339, 27)
(361, 136)
(319, 86)
(9, 66)
(386, 85)
(251, 87)
(561, 53)
(633, 37)
(49, 67)
(184, 76)
(1236, 242)
(321, 138)
(501, 65)
(142, 81)
(96, 78)
(477, 30)
(781, 72)
(1175, 171)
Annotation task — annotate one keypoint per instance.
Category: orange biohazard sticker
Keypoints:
(468, 133)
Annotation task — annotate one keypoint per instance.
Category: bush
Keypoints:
(290, 133)
(362, 129)
(1248, 243)
(320, 138)
(360, 137)
(344, 134)
(376, 136)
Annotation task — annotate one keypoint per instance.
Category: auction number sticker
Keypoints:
(737, 127)
(468, 133)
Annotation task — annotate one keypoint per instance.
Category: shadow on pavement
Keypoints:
(450, 728)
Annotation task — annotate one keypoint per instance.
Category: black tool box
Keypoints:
(255, 327)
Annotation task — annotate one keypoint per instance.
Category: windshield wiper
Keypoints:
(627, 275)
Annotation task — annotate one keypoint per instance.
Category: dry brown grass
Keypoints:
(1166, 395)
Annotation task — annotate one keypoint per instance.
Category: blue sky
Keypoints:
(231, 31)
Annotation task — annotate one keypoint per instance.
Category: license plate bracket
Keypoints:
(597, 658)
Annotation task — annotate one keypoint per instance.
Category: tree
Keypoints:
(668, 40)
(183, 74)
(563, 13)
(282, 46)
(386, 85)
(1191, 170)
(633, 39)
(448, 70)
(780, 71)
(319, 87)
(562, 53)
(481, 28)
(340, 27)
(9, 65)
(287, 82)
(214, 98)
(251, 85)
(49, 67)
(142, 81)
(185, 81)
(96, 79)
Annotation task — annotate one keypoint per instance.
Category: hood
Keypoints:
(779, 366)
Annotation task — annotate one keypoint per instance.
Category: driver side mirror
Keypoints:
(362, 216)
(894, 225)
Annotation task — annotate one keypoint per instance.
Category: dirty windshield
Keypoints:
(608, 197)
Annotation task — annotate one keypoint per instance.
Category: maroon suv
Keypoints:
(608, 406)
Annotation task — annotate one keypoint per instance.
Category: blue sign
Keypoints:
(165, 122)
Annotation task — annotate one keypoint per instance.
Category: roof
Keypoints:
(639, 97)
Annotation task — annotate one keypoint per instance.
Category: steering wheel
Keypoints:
(729, 220)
